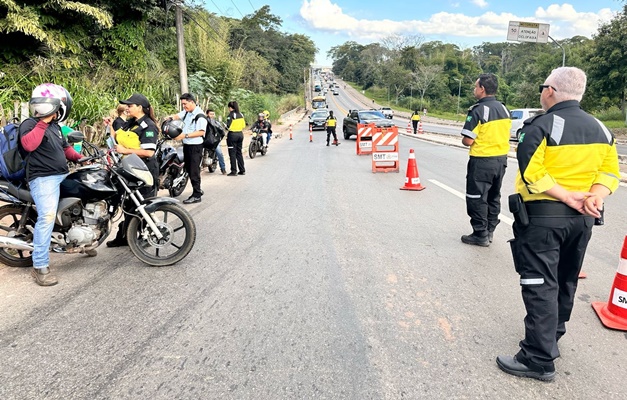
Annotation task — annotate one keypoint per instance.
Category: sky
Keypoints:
(466, 23)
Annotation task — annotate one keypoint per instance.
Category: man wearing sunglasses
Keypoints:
(567, 164)
(486, 132)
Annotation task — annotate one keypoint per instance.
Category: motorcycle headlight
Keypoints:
(144, 175)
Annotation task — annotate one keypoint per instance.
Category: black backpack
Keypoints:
(213, 135)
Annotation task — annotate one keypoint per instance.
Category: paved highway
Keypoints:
(312, 278)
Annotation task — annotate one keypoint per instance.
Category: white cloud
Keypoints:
(480, 3)
(564, 19)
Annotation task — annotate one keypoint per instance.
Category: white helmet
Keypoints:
(48, 99)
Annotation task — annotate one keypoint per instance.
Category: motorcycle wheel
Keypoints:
(179, 234)
(252, 149)
(213, 166)
(264, 150)
(10, 216)
(176, 191)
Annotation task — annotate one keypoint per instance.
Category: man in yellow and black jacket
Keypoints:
(486, 131)
(331, 124)
(567, 165)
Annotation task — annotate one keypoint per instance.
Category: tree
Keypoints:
(424, 77)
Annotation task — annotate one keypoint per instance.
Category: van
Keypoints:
(519, 115)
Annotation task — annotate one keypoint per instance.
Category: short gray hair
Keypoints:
(569, 82)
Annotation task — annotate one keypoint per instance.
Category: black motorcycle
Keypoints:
(210, 160)
(172, 174)
(160, 231)
(256, 144)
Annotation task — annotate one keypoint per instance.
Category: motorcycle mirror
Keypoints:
(75, 137)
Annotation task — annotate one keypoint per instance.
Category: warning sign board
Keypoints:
(528, 32)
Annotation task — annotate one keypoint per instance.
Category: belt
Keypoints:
(550, 208)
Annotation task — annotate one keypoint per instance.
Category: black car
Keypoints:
(317, 119)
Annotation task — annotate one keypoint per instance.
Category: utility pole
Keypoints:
(459, 92)
(180, 40)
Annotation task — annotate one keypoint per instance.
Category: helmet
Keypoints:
(171, 128)
(48, 99)
(266, 114)
(261, 115)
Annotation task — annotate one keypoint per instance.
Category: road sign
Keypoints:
(528, 32)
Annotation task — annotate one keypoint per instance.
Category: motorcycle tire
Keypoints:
(10, 216)
(213, 166)
(264, 150)
(176, 191)
(173, 222)
(252, 149)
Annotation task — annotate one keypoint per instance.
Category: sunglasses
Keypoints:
(542, 87)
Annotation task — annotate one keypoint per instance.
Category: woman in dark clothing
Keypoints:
(235, 138)
(141, 122)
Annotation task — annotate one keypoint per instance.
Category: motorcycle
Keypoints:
(210, 160)
(172, 174)
(160, 231)
(256, 144)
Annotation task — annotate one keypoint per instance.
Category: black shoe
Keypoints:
(241, 173)
(512, 366)
(223, 171)
(117, 242)
(202, 192)
(192, 200)
(490, 236)
(232, 174)
(476, 240)
(327, 144)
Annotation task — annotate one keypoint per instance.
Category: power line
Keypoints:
(214, 3)
(240, 13)
(251, 4)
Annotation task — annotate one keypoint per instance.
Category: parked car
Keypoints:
(387, 112)
(354, 117)
(318, 118)
(519, 115)
(336, 92)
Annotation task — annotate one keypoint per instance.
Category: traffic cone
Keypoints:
(409, 130)
(412, 179)
(420, 127)
(614, 314)
(310, 134)
(290, 132)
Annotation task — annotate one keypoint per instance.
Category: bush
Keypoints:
(611, 114)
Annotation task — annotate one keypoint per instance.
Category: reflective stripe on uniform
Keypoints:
(531, 281)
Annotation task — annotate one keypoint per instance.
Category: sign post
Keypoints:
(532, 32)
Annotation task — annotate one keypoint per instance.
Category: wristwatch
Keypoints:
(187, 136)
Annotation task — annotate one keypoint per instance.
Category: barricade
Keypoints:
(364, 138)
(385, 150)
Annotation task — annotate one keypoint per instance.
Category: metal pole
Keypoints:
(459, 92)
(411, 94)
(563, 51)
(180, 40)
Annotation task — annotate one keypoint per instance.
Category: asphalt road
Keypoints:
(312, 278)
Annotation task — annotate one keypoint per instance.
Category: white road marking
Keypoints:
(502, 217)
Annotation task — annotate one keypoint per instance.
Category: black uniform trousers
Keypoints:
(192, 155)
(331, 131)
(548, 254)
(234, 142)
(414, 123)
(483, 192)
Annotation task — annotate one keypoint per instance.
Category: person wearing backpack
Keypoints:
(195, 125)
(211, 114)
(47, 152)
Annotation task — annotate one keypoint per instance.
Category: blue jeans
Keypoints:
(269, 136)
(45, 192)
(220, 158)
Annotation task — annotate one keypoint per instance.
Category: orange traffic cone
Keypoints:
(412, 179)
(409, 130)
(310, 134)
(290, 132)
(614, 314)
(420, 127)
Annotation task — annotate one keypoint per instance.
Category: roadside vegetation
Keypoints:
(103, 51)
(407, 73)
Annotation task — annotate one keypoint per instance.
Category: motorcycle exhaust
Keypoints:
(13, 243)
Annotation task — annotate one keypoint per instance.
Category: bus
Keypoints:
(319, 102)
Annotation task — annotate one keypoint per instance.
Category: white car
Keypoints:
(519, 115)
(387, 111)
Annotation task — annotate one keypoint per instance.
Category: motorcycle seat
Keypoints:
(16, 191)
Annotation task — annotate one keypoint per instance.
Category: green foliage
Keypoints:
(611, 114)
